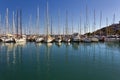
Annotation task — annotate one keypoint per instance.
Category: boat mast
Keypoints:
(94, 24)
(86, 19)
(63, 31)
(106, 26)
(13, 24)
(51, 26)
(7, 29)
(19, 29)
(110, 33)
(0, 25)
(17, 23)
(30, 25)
(72, 24)
(21, 23)
(38, 20)
(114, 18)
(47, 20)
(58, 22)
(100, 21)
(80, 25)
(66, 22)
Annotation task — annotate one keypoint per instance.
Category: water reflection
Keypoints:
(12, 51)
(58, 44)
(113, 45)
(48, 52)
(67, 44)
(38, 44)
(38, 49)
(75, 46)
(51, 60)
(48, 44)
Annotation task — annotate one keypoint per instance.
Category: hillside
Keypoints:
(110, 30)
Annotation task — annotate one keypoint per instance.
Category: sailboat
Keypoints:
(94, 38)
(48, 37)
(86, 39)
(101, 38)
(20, 38)
(58, 38)
(8, 38)
(39, 38)
(66, 38)
(109, 37)
(76, 36)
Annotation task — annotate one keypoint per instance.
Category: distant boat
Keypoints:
(8, 38)
(87, 40)
(58, 39)
(112, 38)
(76, 37)
(20, 40)
(39, 39)
(94, 39)
(66, 39)
(48, 39)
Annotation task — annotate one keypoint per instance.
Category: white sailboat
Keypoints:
(20, 38)
(8, 38)
(48, 37)
(76, 37)
(58, 38)
(109, 36)
(101, 38)
(39, 38)
(86, 39)
(94, 39)
(67, 37)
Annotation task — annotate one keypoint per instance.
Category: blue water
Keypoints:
(65, 61)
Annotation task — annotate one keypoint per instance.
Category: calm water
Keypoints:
(83, 61)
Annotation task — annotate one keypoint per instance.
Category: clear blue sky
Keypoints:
(75, 8)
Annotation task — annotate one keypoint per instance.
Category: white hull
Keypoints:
(112, 39)
(58, 40)
(76, 39)
(20, 40)
(39, 40)
(67, 40)
(48, 40)
(87, 40)
(59, 44)
(7, 40)
(94, 39)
